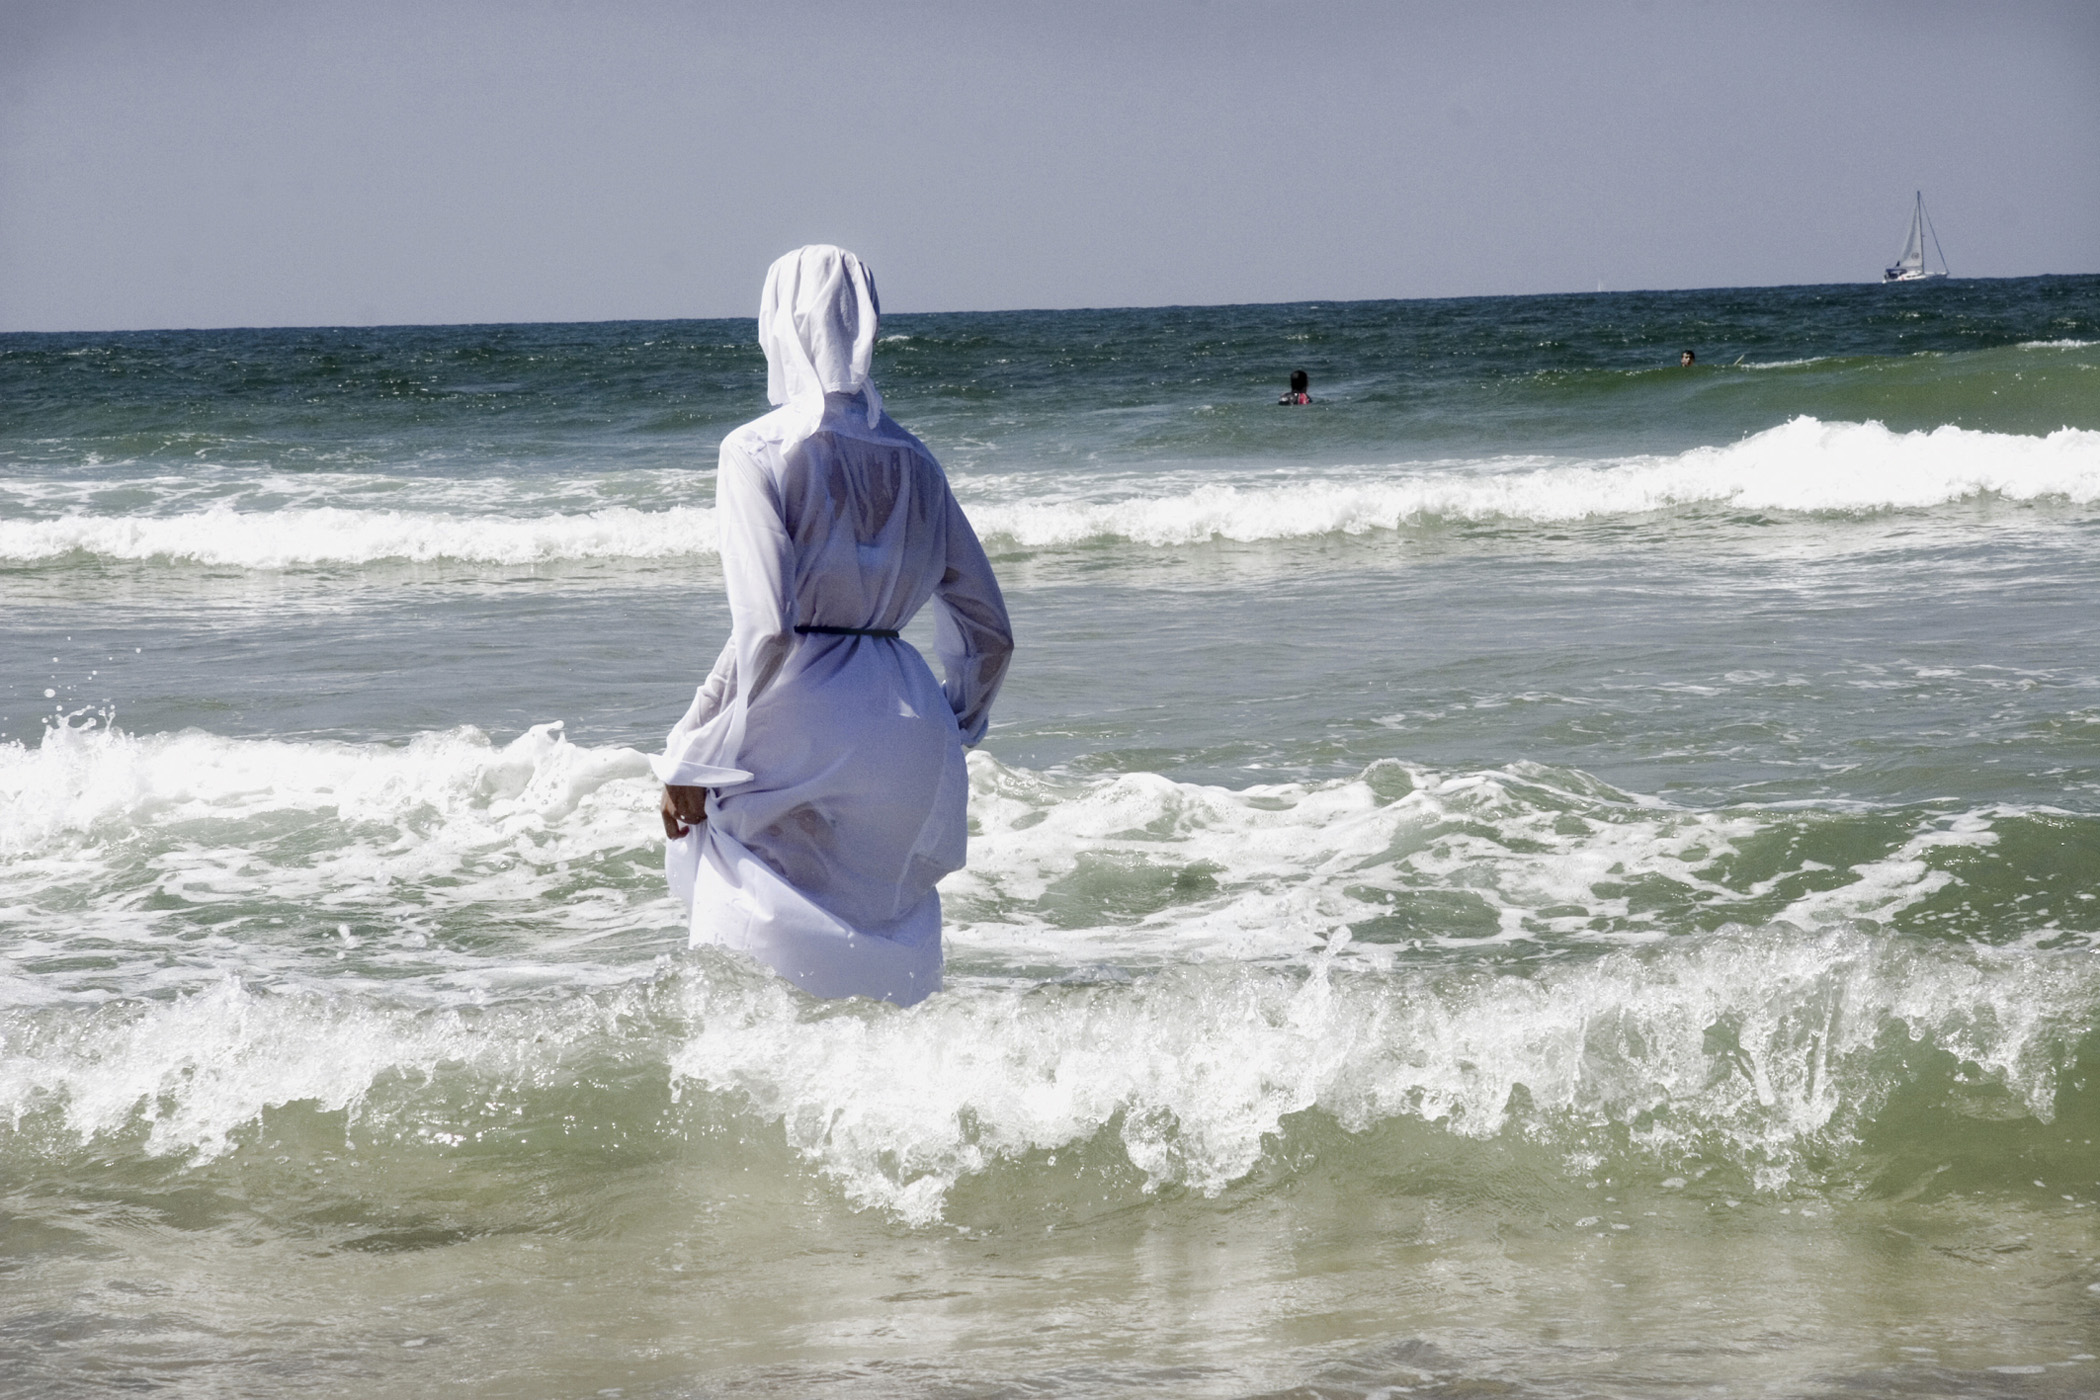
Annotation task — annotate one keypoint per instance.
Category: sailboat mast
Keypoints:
(1912, 263)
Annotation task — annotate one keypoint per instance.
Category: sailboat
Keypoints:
(1911, 266)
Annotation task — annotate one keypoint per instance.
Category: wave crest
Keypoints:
(1763, 1052)
(1801, 467)
(1804, 466)
(444, 940)
(279, 539)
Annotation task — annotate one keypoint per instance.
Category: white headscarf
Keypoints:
(816, 323)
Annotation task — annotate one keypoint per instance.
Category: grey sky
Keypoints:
(183, 163)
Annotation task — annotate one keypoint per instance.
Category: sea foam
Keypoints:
(277, 539)
(285, 854)
(1801, 467)
(433, 937)
(1763, 1051)
(1140, 869)
(558, 843)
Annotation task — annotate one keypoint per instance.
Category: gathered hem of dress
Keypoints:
(739, 902)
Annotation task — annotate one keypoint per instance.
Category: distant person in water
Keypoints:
(1300, 383)
(1687, 359)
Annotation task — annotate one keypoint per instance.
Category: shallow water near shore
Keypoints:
(1543, 873)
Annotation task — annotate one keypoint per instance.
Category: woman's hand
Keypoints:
(683, 809)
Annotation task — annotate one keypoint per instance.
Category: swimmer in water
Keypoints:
(1687, 359)
(1300, 383)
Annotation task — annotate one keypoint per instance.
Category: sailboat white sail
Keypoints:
(1911, 266)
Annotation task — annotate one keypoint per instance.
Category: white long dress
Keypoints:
(838, 791)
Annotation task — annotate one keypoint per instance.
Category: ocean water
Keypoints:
(1543, 873)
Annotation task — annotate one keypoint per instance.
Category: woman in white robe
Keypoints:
(825, 759)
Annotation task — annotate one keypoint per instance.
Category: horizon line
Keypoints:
(1025, 310)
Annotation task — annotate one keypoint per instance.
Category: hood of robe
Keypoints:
(816, 323)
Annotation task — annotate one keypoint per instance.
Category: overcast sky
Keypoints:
(211, 163)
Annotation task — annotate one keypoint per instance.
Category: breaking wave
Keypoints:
(451, 944)
(280, 539)
(382, 850)
(1801, 467)
(1762, 1054)
(1742, 1061)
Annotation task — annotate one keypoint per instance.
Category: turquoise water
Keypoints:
(1542, 870)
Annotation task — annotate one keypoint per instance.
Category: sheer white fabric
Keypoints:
(838, 794)
(816, 322)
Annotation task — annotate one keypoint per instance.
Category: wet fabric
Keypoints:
(834, 762)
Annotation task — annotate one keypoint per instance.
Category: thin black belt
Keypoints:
(889, 632)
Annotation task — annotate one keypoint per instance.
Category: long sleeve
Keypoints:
(757, 569)
(972, 636)
(676, 764)
(705, 748)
